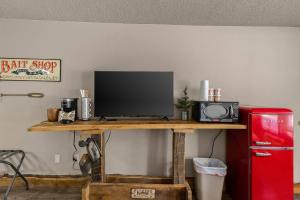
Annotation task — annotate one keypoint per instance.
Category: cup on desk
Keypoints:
(52, 114)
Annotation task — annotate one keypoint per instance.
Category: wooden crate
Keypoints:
(136, 187)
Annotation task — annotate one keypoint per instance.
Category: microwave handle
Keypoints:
(231, 111)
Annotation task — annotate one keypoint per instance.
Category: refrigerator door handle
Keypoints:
(260, 154)
(263, 143)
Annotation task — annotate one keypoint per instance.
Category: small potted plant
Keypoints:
(184, 103)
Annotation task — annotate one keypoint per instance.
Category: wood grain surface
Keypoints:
(109, 191)
(297, 188)
(178, 158)
(130, 124)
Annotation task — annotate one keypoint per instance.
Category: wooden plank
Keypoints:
(124, 191)
(138, 179)
(46, 181)
(130, 124)
(79, 181)
(102, 170)
(178, 158)
(98, 168)
(120, 187)
(91, 132)
(189, 195)
(51, 181)
(85, 192)
(184, 130)
(297, 188)
(191, 182)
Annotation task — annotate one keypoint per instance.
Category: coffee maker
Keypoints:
(68, 113)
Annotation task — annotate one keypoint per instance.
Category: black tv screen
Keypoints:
(133, 94)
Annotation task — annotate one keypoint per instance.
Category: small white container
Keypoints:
(204, 87)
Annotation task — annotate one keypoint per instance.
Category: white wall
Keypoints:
(254, 65)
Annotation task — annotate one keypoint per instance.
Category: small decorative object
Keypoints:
(217, 94)
(211, 94)
(204, 87)
(52, 114)
(184, 103)
(84, 93)
(28, 69)
(32, 95)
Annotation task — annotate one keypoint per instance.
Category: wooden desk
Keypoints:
(97, 129)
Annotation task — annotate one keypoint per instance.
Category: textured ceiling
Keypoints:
(186, 12)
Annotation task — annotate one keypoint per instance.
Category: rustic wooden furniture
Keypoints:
(126, 187)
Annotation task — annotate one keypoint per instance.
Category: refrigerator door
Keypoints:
(271, 174)
(271, 130)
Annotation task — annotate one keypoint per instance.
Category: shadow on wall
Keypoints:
(158, 153)
(189, 167)
(31, 163)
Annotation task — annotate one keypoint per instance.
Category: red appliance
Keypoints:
(260, 158)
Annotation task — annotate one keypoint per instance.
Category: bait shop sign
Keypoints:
(28, 69)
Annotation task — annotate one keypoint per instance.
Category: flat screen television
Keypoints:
(133, 94)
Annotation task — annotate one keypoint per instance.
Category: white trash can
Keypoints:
(210, 174)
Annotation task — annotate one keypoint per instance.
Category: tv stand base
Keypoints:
(107, 119)
(165, 118)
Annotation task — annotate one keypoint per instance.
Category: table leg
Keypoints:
(178, 158)
(98, 168)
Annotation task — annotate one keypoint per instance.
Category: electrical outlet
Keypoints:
(57, 158)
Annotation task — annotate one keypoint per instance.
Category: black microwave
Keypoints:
(208, 111)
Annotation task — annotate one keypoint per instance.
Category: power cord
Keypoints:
(75, 152)
(107, 140)
(213, 144)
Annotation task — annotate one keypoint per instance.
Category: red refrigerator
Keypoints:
(260, 158)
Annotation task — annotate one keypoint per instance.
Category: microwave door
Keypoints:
(216, 111)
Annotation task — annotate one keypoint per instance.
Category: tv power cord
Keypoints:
(213, 144)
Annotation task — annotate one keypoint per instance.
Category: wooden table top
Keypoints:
(130, 124)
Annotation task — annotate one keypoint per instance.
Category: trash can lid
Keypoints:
(211, 166)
